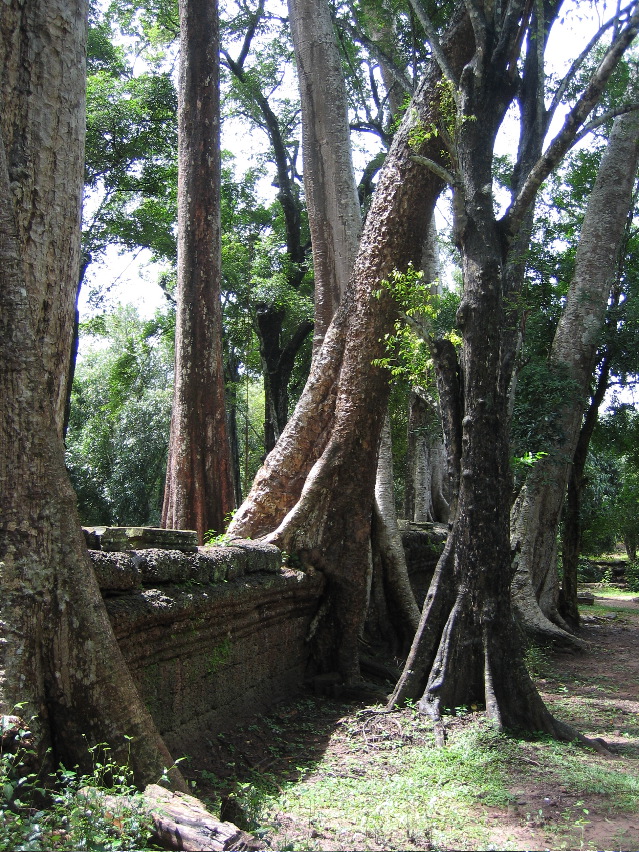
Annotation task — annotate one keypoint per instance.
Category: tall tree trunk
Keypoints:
(336, 223)
(33, 139)
(199, 485)
(58, 654)
(466, 649)
(314, 493)
(574, 350)
(329, 180)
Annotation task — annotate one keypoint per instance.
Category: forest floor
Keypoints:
(327, 774)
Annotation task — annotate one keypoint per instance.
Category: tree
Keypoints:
(305, 495)
(199, 486)
(120, 417)
(574, 354)
(60, 660)
(282, 330)
(466, 643)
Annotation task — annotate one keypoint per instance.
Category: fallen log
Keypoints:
(180, 821)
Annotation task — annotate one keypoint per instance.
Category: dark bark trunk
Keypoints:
(466, 650)
(232, 380)
(277, 364)
(199, 488)
(277, 353)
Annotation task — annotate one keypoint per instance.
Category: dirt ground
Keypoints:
(597, 692)
(607, 681)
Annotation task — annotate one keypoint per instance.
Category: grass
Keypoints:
(348, 779)
(605, 590)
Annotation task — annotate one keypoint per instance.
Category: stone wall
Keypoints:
(216, 635)
(212, 637)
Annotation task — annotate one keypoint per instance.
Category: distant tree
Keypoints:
(199, 490)
(120, 415)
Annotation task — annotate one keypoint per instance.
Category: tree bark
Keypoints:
(307, 497)
(571, 536)
(466, 649)
(199, 485)
(537, 510)
(47, 215)
(58, 654)
(329, 180)
(425, 499)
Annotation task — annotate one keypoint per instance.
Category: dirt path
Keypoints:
(599, 694)
(319, 775)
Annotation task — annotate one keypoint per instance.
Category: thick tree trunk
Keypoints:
(58, 654)
(335, 222)
(199, 485)
(39, 142)
(537, 510)
(314, 493)
(466, 649)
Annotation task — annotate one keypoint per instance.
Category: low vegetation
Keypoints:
(331, 774)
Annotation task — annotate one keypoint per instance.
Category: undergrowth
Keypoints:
(65, 810)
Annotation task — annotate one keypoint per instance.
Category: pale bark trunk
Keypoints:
(389, 542)
(58, 654)
(199, 486)
(425, 499)
(329, 181)
(537, 510)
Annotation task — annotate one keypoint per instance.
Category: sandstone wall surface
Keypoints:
(216, 635)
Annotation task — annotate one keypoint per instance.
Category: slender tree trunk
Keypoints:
(538, 508)
(58, 654)
(571, 537)
(425, 489)
(277, 351)
(199, 485)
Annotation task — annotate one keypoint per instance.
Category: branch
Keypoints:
(579, 61)
(562, 143)
(434, 167)
(478, 21)
(418, 328)
(250, 32)
(381, 57)
(602, 119)
(435, 45)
